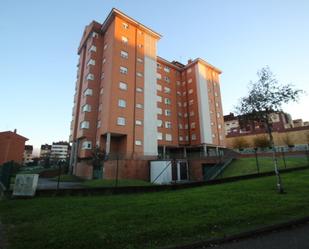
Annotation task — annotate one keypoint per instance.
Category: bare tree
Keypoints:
(240, 143)
(266, 97)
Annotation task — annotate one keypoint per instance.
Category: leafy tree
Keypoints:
(98, 157)
(266, 97)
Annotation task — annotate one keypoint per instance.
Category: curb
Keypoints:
(243, 235)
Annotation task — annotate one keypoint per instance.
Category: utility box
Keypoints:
(161, 172)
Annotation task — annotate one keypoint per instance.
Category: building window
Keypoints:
(140, 60)
(178, 83)
(104, 60)
(184, 93)
(159, 123)
(191, 102)
(90, 76)
(139, 89)
(190, 91)
(191, 113)
(159, 87)
(105, 47)
(138, 122)
(139, 74)
(123, 86)
(139, 106)
(178, 93)
(189, 70)
(167, 112)
(159, 76)
(101, 91)
(179, 114)
(124, 40)
(179, 104)
(219, 126)
(124, 54)
(168, 137)
(140, 45)
(159, 65)
(180, 138)
(167, 101)
(218, 114)
(186, 126)
(159, 110)
(213, 135)
(193, 137)
(84, 125)
(93, 48)
(185, 115)
(125, 25)
(180, 126)
(102, 76)
(167, 89)
(192, 125)
(185, 104)
(99, 124)
(159, 135)
(86, 108)
(122, 103)
(159, 98)
(123, 70)
(121, 121)
(94, 35)
(138, 142)
(88, 92)
(168, 124)
(166, 79)
(167, 69)
(86, 145)
(189, 80)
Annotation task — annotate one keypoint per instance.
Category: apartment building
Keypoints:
(45, 151)
(27, 157)
(131, 102)
(60, 151)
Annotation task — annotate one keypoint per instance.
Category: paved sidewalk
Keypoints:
(46, 183)
(293, 238)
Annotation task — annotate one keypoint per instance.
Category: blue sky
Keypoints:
(39, 40)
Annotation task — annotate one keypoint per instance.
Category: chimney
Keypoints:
(189, 61)
(15, 131)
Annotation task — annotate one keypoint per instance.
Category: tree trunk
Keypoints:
(272, 144)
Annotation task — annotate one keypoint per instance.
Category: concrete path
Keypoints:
(46, 183)
(294, 238)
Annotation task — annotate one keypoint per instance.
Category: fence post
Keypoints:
(283, 157)
(117, 167)
(257, 160)
(307, 149)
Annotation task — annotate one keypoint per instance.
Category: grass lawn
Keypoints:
(246, 166)
(153, 220)
(111, 183)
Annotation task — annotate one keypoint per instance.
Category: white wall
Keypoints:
(150, 97)
(156, 167)
(203, 104)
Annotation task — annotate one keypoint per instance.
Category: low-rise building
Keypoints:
(11, 147)
(286, 133)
